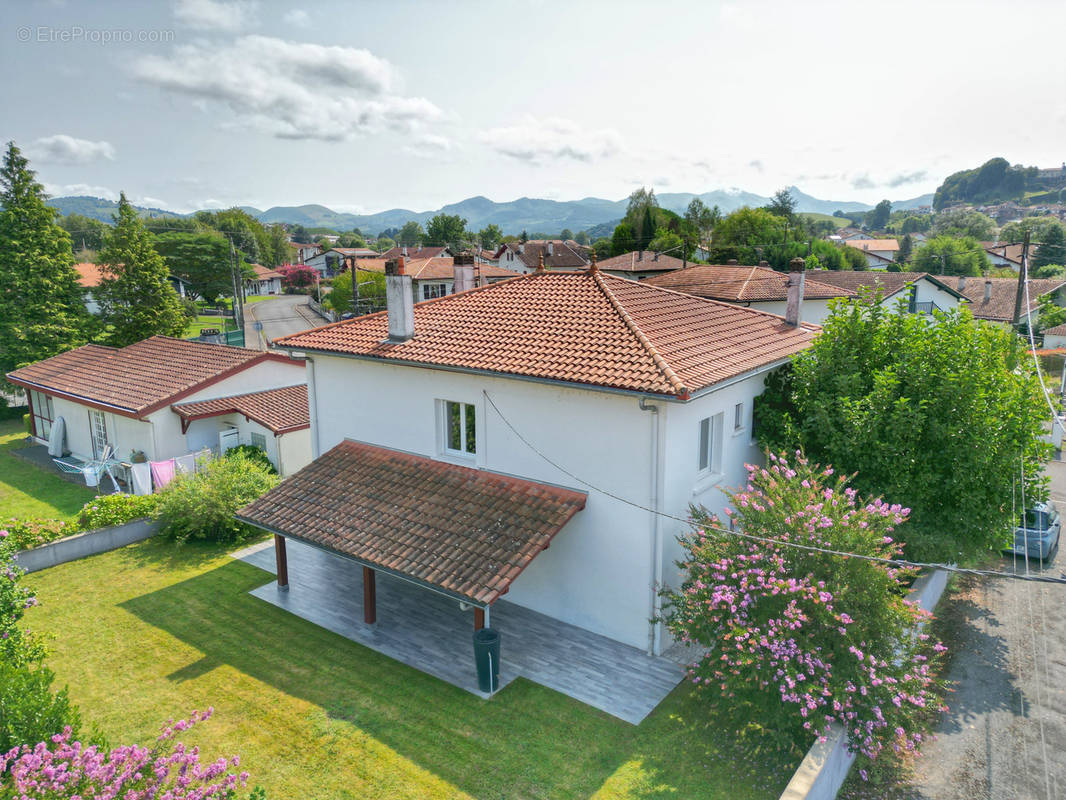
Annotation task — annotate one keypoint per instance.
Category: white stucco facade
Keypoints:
(601, 570)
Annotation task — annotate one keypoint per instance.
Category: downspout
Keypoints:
(656, 529)
(312, 405)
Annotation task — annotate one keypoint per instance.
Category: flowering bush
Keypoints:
(296, 276)
(797, 640)
(24, 534)
(115, 509)
(17, 647)
(64, 768)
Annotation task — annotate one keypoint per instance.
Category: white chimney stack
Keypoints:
(463, 266)
(796, 278)
(403, 250)
(521, 249)
(988, 290)
(551, 248)
(400, 301)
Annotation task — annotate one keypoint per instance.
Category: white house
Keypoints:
(435, 276)
(90, 275)
(993, 299)
(162, 398)
(571, 409)
(755, 287)
(641, 264)
(266, 281)
(554, 254)
(923, 292)
(305, 251)
(1055, 337)
(879, 252)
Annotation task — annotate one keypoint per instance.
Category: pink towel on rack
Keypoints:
(162, 472)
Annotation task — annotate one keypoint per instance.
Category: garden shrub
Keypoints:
(116, 509)
(29, 711)
(25, 534)
(17, 647)
(795, 640)
(256, 454)
(202, 505)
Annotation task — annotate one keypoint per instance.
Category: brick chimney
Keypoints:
(796, 279)
(463, 266)
(400, 301)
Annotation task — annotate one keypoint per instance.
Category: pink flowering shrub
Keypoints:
(63, 768)
(797, 640)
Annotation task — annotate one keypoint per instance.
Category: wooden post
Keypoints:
(370, 596)
(282, 561)
(479, 618)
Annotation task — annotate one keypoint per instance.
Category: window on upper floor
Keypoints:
(738, 417)
(710, 445)
(459, 430)
(431, 290)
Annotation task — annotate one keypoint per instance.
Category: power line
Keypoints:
(898, 562)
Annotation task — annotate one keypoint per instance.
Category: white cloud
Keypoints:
(538, 141)
(80, 190)
(297, 17)
(63, 149)
(221, 15)
(429, 145)
(291, 90)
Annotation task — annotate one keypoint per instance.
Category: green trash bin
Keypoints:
(487, 659)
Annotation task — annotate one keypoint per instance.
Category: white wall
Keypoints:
(294, 451)
(816, 311)
(123, 434)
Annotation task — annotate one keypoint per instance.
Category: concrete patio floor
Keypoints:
(431, 633)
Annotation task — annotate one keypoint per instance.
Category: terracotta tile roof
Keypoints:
(279, 410)
(89, 274)
(641, 261)
(415, 252)
(1058, 330)
(465, 531)
(562, 256)
(1011, 252)
(873, 244)
(887, 282)
(140, 378)
(742, 284)
(578, 327)
(264, 273)
(1000, 305)
(439, 268)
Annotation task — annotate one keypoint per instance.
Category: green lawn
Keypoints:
(26, 491)
(194, 326)
(151, 631)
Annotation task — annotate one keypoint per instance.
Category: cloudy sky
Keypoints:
(366, 106)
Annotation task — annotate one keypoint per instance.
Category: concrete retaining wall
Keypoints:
(86, 544)
(825, 767)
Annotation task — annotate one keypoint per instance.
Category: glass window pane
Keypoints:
(454, 423)
(705, 435)
(471, 434)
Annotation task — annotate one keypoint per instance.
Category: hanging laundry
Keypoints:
(162, 472)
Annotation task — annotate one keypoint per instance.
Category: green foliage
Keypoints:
(490, 236)
(825, 254)
(623, 240)
(906, 248)
(1052, 250)
(383, 243)
(202, 505)
(939, 417)
(916, 224)
(86, 233)
(29, 711)
(411, 233)
(745, 235)
(1038, 227)
(603, 248)
(665, 240)
(703, 219)
(960, 222)
(581, 237)
(201, 259)
(446, 229)
(25, 534)
(994, 181)
(18, 647)
(42, 305)
(782, 204)
(255, 454)
(371, 292)
(350, 240)
(877, 218)
(135, 295)
(116, 509)
(950, 256)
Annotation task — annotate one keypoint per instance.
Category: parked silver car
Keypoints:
(1039, 533)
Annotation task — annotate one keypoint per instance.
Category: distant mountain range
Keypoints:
(526, 213)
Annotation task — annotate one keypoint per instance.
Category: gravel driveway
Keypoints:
(1004, 736)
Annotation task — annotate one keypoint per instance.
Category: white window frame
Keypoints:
(98, 424)
(252, 435)
(40, 406)
(740, 418)
(467, 451)
(709, 446)
(431, 291)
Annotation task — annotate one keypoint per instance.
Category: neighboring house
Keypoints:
(879, 252)
(640, 264)
(1055, 337)
(852, 234)
(128, 398)
(993, 299)
(416, 251)
(1005, 255)
(435, 277)
(755, 287)
(924, 293)
(90, 275)
(534, 389)
(266, 281)
(305, 251)
(333, 261)
(524, 257)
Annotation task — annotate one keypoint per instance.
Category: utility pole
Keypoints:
(810, 246)
(1023, 276)
(355, 287)
(233, 273)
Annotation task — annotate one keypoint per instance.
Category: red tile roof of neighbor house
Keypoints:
(888, 283)
(278, 410)
(1058, 330)
(415, 252)
(1000, 304)
(439, 268)
(741, 284)
(140, 378)
(873, 244)
(264, 273)
(641, 261)
(577, 327)
(562, 257)
(89, 274)
(465, 531)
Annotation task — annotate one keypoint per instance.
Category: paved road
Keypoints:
(1004, 737)
(281, 316)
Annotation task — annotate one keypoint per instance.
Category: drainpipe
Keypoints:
(316, 449)
(656, 528)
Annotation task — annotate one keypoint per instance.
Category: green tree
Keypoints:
(783, 204)
(350, 240)
(86, 233)
(665, 240)
(703, 219)
(203, 260)
(881, 394)
(915, 224)
(1038, 227)
(962, 222)
(622, 239)
(383, 243)
(993, 181)
(42, 305)
(276, 249)
(746, 235)
(878, 218)
(410, 234)
(490, 236)
(299, 234)
(603, 248)
(906, 247)
(639, 201)
(1052, 250)
(945, 255)
(581, 237)
(371, 292)
(566, 234)
(446, 229)
(135, 296)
